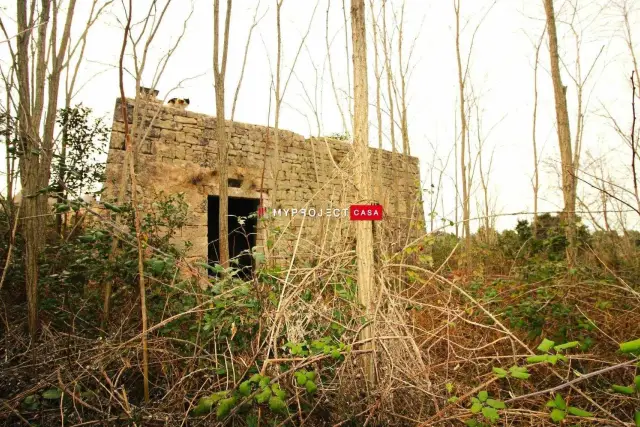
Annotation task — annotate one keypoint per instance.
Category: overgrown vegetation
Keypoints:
(492, 339)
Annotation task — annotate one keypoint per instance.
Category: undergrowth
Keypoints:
(517, 339)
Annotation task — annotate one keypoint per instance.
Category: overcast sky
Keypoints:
(501, 72)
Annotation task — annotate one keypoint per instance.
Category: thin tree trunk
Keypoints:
(346, 48)
(278, 99)
(219, 71)
(378, 75)
(564, 136)
(387, 54)
(364, 234)
(345, 128)
(536, 175)
(466, 227)
(457, 175)
(134, 200)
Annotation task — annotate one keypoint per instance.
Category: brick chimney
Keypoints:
(148, 93)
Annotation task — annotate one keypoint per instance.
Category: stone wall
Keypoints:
(178, 153)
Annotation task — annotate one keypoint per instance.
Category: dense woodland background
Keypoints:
(105, 322)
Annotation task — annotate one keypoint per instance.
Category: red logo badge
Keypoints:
(365, 212)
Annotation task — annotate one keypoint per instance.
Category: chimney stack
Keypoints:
(148, 93)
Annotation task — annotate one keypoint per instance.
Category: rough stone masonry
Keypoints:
(176, 152)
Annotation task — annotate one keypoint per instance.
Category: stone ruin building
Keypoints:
(176, 152)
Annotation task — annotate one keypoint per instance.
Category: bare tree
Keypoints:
(254, 24)
(136, 213)
(534, 138)
(564, 135)
(386, 43)
(280, 88)
(462, 80)
(345, 127)
(364, 233)
(144, 113)
(488, 220)
(378, 75)
(38, 78)
(219, 71)
(464, 112)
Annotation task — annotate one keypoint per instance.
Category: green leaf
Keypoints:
(551, 404)
(557, 415)
(560, 403)
(490, 413)
(278, 392)
(623, 389)
(483, 395)
(255, 378)
(204, 406)
(245, 388)
(578, 412)
(112, 207)
(276, 404)
(31, 402)
(546, 345)
(311, 387)
(476, 407)
(553, 359)
(224, 407)
(311, 375)
(216, 397)
(538, 358)
(62, 207)
(637, 418)
(636, 381)
(497, 404)
(500, 373)
(566, 346)
(516, 368)
(264, 395)
(630, 346)
(264, 381)
(520, 375)
(471, 423)
(519, 372)
(52, 394)
(301, 379)
(453, 399)
(157, 266)
(87, 238)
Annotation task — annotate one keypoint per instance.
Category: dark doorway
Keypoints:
(242, 237)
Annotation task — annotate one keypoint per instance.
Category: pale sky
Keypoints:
(501, 73)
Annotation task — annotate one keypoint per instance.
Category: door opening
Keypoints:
(242, 237)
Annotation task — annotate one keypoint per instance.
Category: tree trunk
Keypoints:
(466, 226)
(364, 233)
(536, 175)
(392, 123)
(564, 136)
(36, 151)
(378, 75)
(222, 136)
